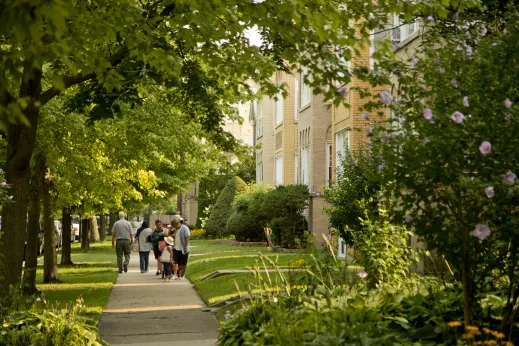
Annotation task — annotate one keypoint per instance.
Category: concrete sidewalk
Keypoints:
(143, 310)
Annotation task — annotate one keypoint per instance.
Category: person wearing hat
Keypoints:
(181, 250)
(167, 257)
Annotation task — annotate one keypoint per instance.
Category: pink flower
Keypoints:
(430, 19)
(489, 191)
(427, 114)
(485, 147)
(3, 184)
(343, 92)
(408, 218)
(414, 62)
(363, 274)
(508, 103)
(454, 83)
(505, 31)
(458, 117)
(368, 132)
(426, 141)
(386, 98)
(466, 101)
(509, 178)
(481, 232)
(482, 30)
(11, 197)
(365, 116)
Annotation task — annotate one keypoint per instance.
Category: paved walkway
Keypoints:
(143, 310)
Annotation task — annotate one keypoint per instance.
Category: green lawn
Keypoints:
(207, 257)
(91, 277)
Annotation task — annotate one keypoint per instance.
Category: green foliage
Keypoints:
(244, 228)
(220, 213)
(322, 303)
(349, 197)
(44, 326)
(384, 249)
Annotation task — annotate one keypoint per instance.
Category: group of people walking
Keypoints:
(170, 246)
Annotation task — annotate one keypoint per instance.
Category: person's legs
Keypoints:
(142, 264)
(127, 252)
(119, 251)
(146, 260)
(167, 269)
(157, 258)
(182, 265)
(176, 258)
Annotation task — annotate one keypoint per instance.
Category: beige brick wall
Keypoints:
(267, 140)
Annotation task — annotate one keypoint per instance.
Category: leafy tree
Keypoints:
(217, 223)
(355, 186)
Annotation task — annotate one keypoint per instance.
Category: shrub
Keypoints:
(216, 225)
(244, 227)
(288, 234)
(49, 327)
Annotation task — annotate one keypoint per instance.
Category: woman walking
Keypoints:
(144, 246)
(157, 236)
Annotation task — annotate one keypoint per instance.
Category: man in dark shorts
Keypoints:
(156, 236)
(181, 249)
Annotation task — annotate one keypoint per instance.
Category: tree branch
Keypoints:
(69, 81)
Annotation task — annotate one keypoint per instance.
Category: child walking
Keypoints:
(167, 257)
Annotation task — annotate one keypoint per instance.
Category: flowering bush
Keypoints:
(450, 151)
(198, 233)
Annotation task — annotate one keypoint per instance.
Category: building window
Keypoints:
(296, 99)
(305, 165)
(342, 143)
(342, 251)
(306, 91)
(259, 124)
(403, 31)
(259, 172)
(328, 164)
(279, 170)
(279, 108)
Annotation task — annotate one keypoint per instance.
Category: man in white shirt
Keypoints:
(122, 234)
(181, 249)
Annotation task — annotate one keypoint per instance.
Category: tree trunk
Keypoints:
(33, 230)
(20, 147)
(66, 234)
(85, 244)
(93, 230)
(102, 231)
(50, 260)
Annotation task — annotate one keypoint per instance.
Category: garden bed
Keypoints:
(241, 243)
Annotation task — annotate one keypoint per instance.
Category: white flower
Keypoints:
(508, 103)
(430, 19)
(482, 30)
(489, 191)
(363, 274)
(414, 62)
(408, 218)
(466, 101)
(427, 114)
(509, 178)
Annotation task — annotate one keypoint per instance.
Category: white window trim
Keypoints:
(279, 170)
(328, 163)
(259, 123)
(306, 91)
(296, 99)
(403, 29)
(341, 244)
(339, 153)
(305, 165)
(280, 103)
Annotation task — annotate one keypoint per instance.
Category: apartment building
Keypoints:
(295, 136)
(187, 202)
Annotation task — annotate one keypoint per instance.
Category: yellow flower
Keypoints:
(467, 336)
(472, 329)
(499, 335)
(487, 331)
(489, 342)
(507, 343)
(453, 324)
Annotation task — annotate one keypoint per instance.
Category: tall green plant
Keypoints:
(217, 223)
